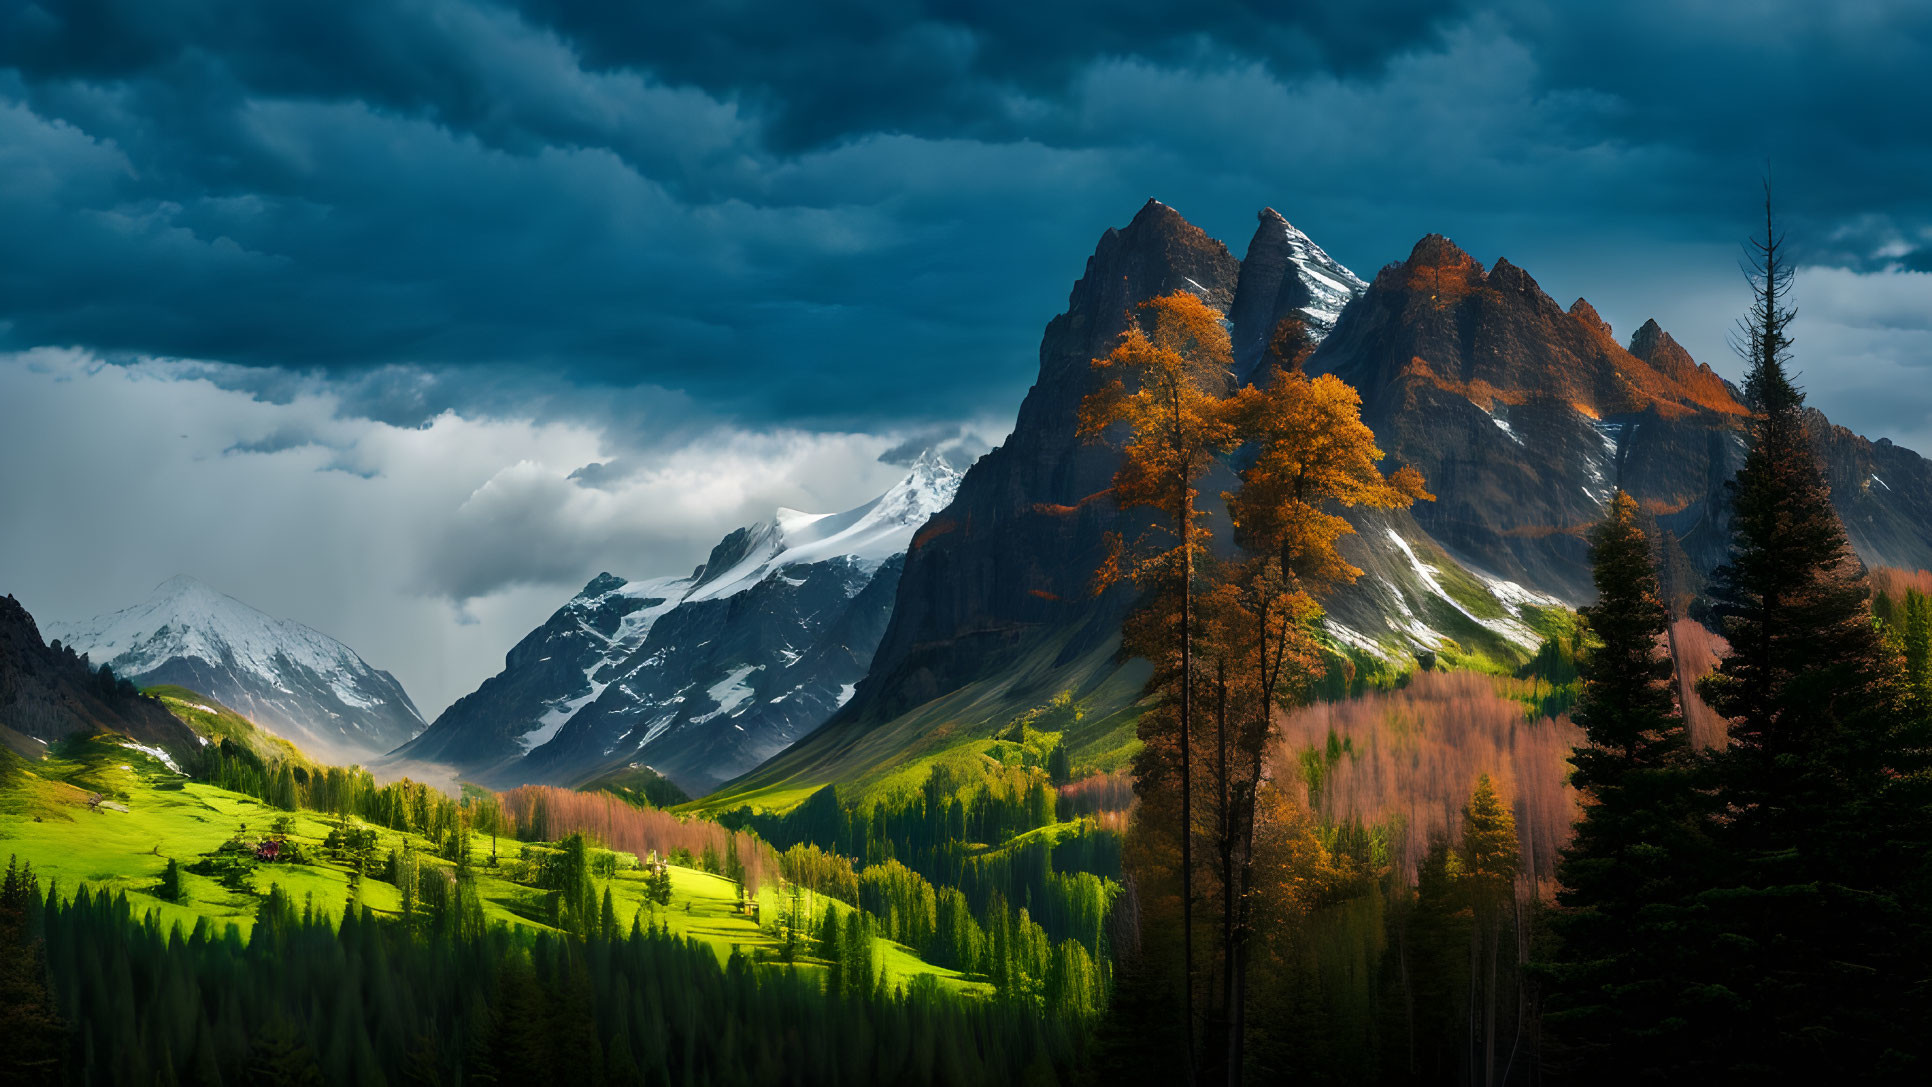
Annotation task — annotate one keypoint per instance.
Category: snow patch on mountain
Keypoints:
(729, 693)
(1511, 627)
(870, 534)
(1330, 284)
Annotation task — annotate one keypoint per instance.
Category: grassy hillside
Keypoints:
(100, 812)
(871, 761)
(965, 729)
(215, 722)
(639, 785)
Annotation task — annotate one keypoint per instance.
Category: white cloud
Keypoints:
(430, 550)
(1863, 350)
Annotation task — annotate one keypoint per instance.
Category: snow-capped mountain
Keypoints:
(294, 681)
(1285, 274)
(701, 677)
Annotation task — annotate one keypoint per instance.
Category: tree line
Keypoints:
(94, 992)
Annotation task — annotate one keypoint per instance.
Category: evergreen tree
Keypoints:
(1614, 996)
(282, 794)
(1490, 857)
(1914, 625)
(1059, 765)
(34, 1038)
(827, 945)
(170, 888)
(1815, 911)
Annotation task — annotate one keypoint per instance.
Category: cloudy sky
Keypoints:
(404, 319)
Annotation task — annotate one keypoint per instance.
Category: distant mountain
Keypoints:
(293, 681)
(48, 693)
(1522, 416)
(700, 677)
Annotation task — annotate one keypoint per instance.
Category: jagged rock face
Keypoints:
(720, 685)
(1883, 493)
(1524, 417)
(1285, 274)
(1015, 551)
(701, 677)
(552, 665)
(293, 681)
(48, 694)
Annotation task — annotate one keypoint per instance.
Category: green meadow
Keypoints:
(149, 815)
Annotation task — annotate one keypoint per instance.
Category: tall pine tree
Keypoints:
(1814, 972)
(1613, 1010)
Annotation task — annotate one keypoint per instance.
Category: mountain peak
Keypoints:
(1437, 251)
(936, 467)
(1656, 348)
(183, 585)
(1285, 274)
(869, 534)
(1504, 276)
(1651, 339)
(1272, 220)
(603, 583)
(1586, 313)
(1436, 268)
(1156, 212)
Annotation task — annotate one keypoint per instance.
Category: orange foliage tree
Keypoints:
(1241, 630)
(1170, 378)
(1312, 457)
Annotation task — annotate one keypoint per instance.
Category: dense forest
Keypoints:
(352, 1000)
(433, 991)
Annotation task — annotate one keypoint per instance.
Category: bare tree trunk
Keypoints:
(1494, 939)
(1230, 984)
(1475, 1011)
(1187, 761)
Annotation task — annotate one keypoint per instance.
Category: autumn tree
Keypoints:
(1311, 458)
(1165, 382)
(1613, 1000)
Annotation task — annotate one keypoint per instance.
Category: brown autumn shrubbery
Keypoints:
(552, 813)
(1407, 759)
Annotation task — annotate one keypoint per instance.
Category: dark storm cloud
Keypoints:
(833, 70)
(839, 213)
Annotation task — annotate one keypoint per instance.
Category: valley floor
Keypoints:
(123, 845)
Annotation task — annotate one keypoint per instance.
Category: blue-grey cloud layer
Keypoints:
(853, 212)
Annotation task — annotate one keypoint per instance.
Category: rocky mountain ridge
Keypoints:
(49, 692)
